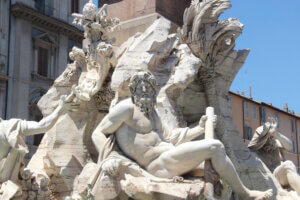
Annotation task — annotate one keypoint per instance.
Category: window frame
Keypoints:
(46, 40)
(74, 7)
(262, 114)
(42, 61)
(246, 109)
(248, 132)
(254, 113)
(277, 119)
(292, 125)
(294, 146)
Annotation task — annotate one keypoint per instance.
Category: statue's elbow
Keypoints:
(95, 135)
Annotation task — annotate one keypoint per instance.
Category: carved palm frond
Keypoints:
(204, 33)
(213, 40)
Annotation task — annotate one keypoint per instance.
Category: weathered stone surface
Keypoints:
(181, 68)
(212, 41)
(9, 190)
(67, 147)
(81, 182)
(63, 151)
(144, 52)
(141, 188)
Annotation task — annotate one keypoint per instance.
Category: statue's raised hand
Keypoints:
(64, 104)
(202, 121)
(62, 101)
(214, 120)
(69, 102)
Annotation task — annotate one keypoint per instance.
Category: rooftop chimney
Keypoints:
(250, 92)
(243, 94)
(292, 112)
(286, 108)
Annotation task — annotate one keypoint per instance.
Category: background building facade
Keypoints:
(249, 114)
(36, 37)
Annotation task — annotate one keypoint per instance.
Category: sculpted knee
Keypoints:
(217, 147)
(289, 165)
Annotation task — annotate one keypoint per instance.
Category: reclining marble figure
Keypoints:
(164, 153)
(268, 143)
(12, 141)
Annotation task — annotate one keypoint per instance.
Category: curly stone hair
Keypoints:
(139, 76)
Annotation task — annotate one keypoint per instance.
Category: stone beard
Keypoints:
(143, 90)
(144, 103)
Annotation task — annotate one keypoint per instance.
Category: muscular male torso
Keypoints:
(141, 137)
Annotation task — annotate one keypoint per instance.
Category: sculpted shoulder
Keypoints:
(123, 109)
(124, 105)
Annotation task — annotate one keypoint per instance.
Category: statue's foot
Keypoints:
(259, 195)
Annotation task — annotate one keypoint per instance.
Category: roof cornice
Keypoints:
(23, 11)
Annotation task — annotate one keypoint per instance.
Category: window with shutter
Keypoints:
(262, 113)
(74, 6)
(248, 132)
(43, 61)
(246, 110)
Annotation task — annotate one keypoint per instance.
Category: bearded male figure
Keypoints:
(164, 153)
(269, 144)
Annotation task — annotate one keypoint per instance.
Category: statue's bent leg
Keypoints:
(294, 180)
(287, 174)
(183, 158)
(188, 156)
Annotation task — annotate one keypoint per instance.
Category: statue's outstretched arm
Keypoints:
(195, 132)
(33, 127)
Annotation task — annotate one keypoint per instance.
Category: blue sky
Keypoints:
(272, 32)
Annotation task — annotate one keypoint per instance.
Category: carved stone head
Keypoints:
(104, 49)
(77, 55)
(143, 89)
(89, 11)
(262, 139)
